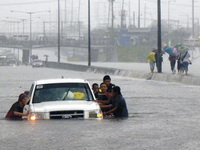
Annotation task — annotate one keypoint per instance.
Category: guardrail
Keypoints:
(189, 80)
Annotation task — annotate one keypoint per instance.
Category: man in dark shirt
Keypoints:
(119, 108)
(16, 110)
(107, 80)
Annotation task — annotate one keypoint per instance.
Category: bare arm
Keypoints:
(105, 106)
(103, 101)
(110, 111)
(20, 114)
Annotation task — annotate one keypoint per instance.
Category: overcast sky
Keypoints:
(179, 10)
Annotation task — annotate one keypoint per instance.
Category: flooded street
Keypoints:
(162, 116)
(147, 47)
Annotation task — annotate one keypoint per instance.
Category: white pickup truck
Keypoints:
(62, 99)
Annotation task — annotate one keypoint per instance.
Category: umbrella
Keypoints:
(170, 50)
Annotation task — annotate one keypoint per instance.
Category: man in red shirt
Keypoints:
(16, 110)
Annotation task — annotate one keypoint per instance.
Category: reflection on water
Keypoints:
(63, 134)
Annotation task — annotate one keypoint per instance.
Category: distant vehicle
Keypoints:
(3, 60)
(7, 59)
(11, 59)
(11, 62)
(62, 99)
(37, 63)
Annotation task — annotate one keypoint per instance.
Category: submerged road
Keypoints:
(163, 116)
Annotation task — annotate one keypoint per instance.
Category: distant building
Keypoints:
(191, 42)
(20, 37)
(133, 36)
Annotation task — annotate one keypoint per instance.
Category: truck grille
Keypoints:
(66, 114)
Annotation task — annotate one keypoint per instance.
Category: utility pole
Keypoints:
(159, 55)
(129, 13)
(133, 19)
(111, 9)
(58, 31)
(61, 30)
(198, 26)
(144, 15)
(23, 26)
(50, 24)
(123, 19)
(112, 13)
(168, 24)
(89, 42)
(138, 13)
(111, 52)
(44, 29)
(79, 23)
(109, 14)
(192, 18)
(65, 24)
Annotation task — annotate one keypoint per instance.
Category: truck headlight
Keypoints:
(96, 114)
(35, 116)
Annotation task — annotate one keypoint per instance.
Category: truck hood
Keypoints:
(64, 105)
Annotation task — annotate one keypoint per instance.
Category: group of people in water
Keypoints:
(108, 97)
(178, 54)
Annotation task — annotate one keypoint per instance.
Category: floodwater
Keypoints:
(162, 116)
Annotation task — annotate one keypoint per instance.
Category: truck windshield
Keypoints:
(62, 92)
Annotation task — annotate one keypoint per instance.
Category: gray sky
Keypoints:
(180, 10)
